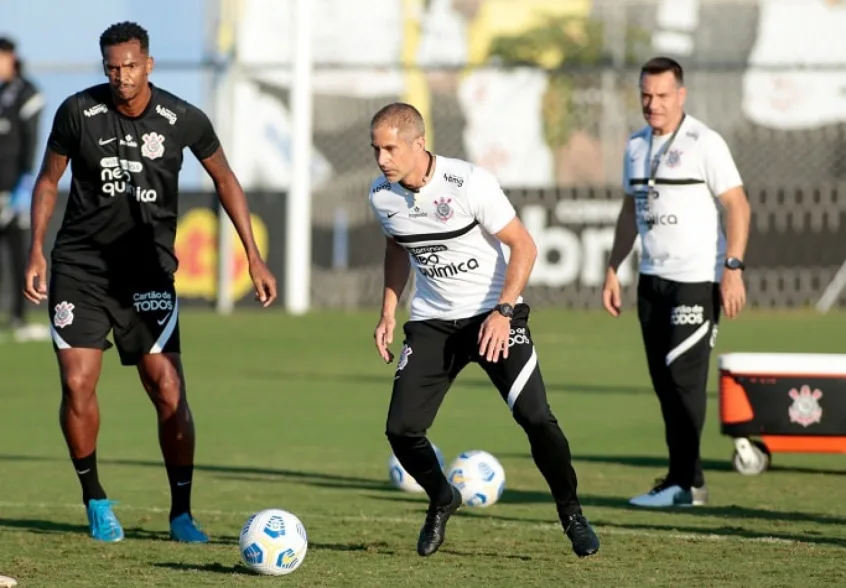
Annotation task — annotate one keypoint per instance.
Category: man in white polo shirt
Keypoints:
(447, 218)
(678, 173)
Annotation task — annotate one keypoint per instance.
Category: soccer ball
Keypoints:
(273, 542)
(479, 477)
(401, 479)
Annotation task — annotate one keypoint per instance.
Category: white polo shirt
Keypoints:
(447, 228)
(679, 224)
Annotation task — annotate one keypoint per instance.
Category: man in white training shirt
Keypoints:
(447, 218)
(678, 173)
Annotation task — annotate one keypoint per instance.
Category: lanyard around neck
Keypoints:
(656, 161)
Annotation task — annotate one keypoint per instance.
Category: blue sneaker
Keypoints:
(184, 528)
(664, 495)
(103, 522)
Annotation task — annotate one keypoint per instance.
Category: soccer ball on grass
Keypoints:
(479, 477)
(273, 542)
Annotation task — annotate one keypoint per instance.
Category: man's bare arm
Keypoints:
(397, 269)
(738, 213)
(233, 199)
(523, 253)
(44, 195)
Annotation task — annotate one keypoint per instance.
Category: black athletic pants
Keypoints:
(679, 327)
(16, 242)
(434, 353)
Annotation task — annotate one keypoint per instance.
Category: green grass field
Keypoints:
(290, 414)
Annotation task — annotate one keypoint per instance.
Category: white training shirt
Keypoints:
(447, 228)
(681, 233)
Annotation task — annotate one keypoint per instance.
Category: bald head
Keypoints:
(403, 117)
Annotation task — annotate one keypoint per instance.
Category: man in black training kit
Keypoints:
(113, 261)
(448, 217)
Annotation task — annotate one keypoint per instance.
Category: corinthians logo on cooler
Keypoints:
(806, 409)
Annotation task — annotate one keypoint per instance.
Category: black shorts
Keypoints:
(143, 315)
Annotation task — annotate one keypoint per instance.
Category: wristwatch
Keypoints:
(505, 309)
(734, 263)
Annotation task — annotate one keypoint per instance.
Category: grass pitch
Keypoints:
(290, 414)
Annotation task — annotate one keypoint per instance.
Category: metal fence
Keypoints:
(556, 134)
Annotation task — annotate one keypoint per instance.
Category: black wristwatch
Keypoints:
(505, 309)
(734, 263)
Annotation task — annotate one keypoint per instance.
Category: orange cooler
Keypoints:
(792, 402)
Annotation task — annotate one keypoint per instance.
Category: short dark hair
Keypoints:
(659, 65)
(7, 45)
(125, 32)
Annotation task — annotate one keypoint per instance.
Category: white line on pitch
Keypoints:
(607, 530)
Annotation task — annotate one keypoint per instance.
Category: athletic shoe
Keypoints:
(184, 528)
(433, 532)
(7, 582)
(665, 494)
(581, 534)
(102, 521)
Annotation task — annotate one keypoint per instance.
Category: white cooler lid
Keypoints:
(784, 363)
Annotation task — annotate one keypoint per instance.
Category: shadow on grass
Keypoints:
(660, 463)
(251, 474)
(727, 532)
(40, 526)
(212, 568)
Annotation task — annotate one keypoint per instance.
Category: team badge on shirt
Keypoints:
(443, 211)
(153, 146)
(674, 158)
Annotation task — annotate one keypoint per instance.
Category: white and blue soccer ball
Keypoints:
(273, 542)
(401, 478)
(479, 477)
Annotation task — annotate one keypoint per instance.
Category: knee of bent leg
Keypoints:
(78, 386)
(533, 417)
(166, 392)
(400, 427)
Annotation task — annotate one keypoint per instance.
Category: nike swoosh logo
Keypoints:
(162, 321)
(83, 472)
(182, 483)
(107, 141)
(390, 214)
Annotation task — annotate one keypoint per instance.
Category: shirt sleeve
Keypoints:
(65, 133)
(488, 203)
(627, 173)
(378, 217)
(720, 171)
(199, 134)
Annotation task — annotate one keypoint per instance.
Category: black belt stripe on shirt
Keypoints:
(436, 236)
(666, 181)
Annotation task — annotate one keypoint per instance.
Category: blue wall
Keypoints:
(68, 33)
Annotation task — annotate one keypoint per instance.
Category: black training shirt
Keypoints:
(120, 219)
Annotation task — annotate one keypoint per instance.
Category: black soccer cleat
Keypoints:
(584, 539)
(433, 533)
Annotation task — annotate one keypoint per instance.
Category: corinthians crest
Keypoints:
(806, 409)
(443, 211)
(673, 158)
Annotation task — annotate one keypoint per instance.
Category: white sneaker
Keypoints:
(663, 495)
(7, 582)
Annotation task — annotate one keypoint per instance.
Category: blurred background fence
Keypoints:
(542, 92)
